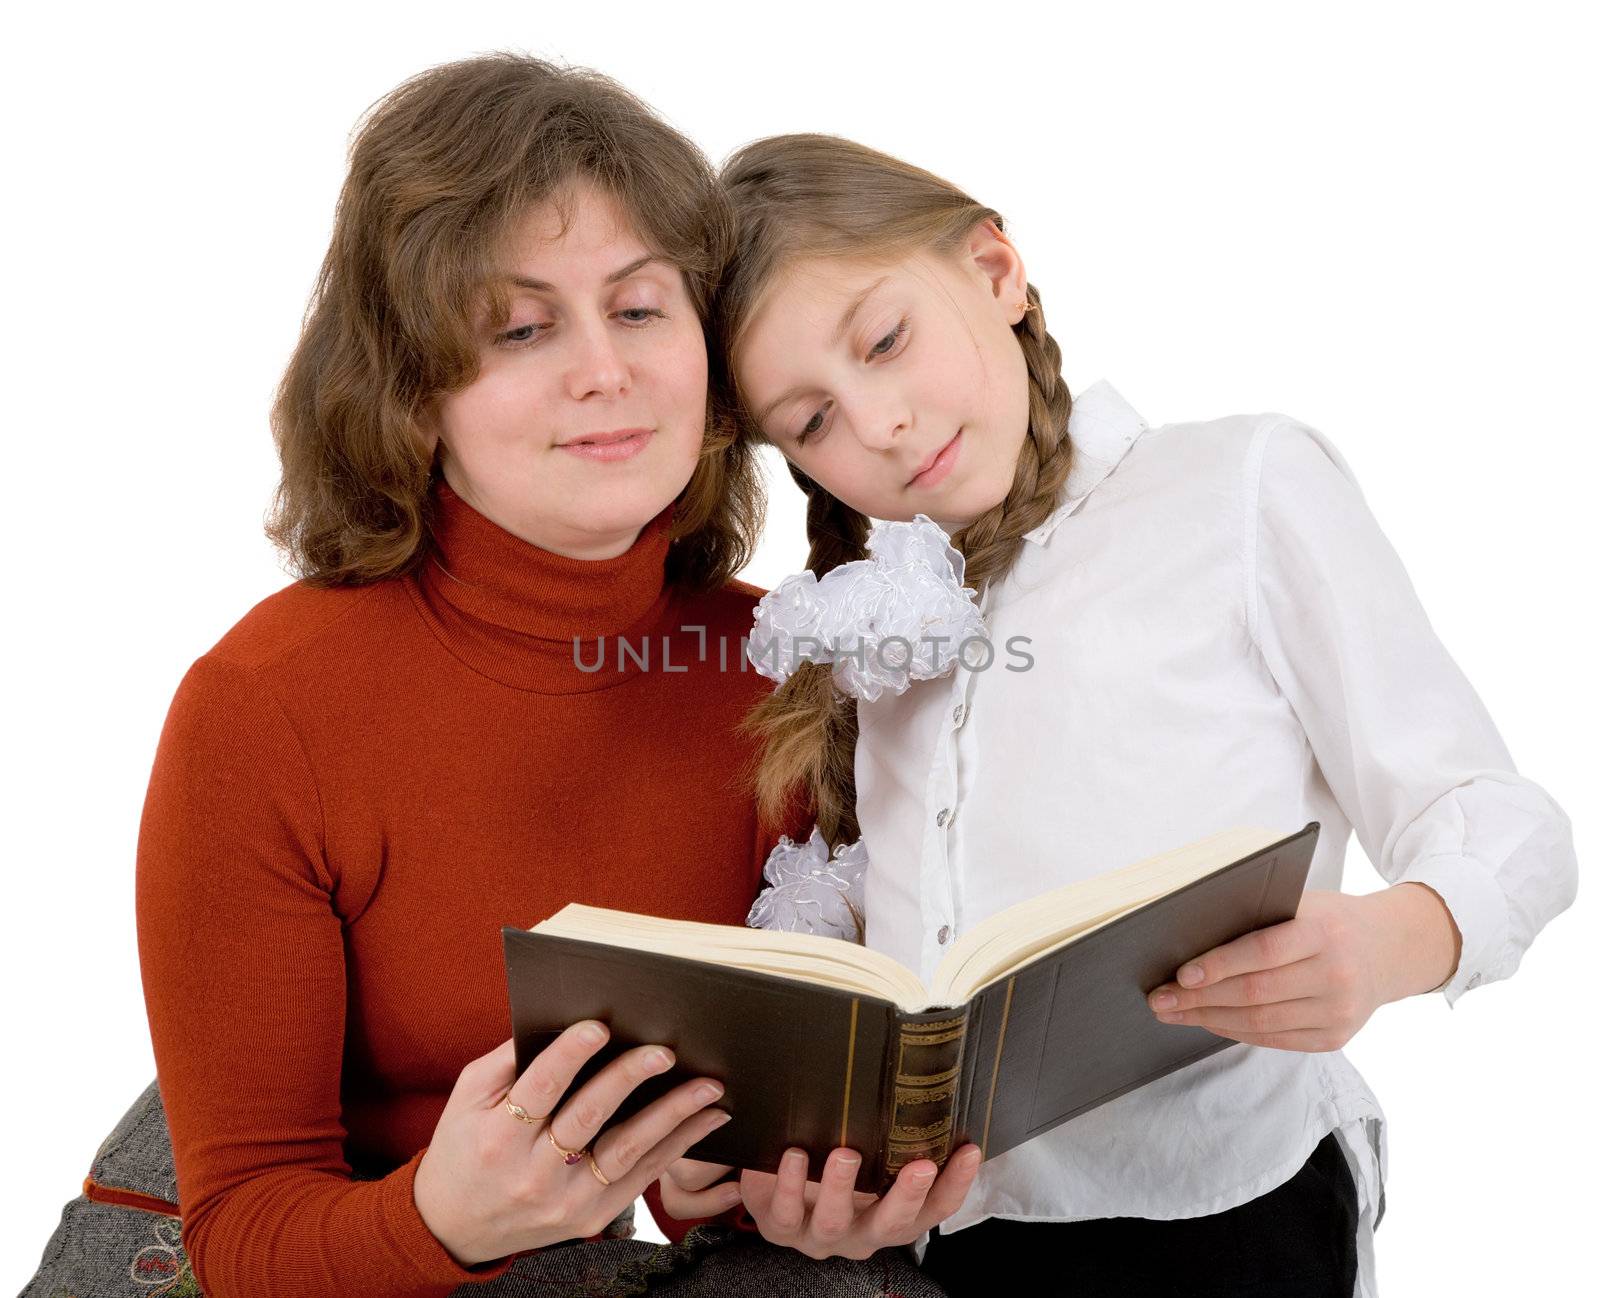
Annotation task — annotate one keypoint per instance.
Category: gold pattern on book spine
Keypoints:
(910, 1095)
(927, 1072)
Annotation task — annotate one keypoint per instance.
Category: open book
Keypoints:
(1034, 1015)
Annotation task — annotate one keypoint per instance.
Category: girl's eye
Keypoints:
(812, 428)
(886, 344)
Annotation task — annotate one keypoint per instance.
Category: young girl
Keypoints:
(1192, 627)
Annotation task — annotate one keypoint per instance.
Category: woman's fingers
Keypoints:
(693, 1174)
(627, 1143)
(483, 1082)
(546, 1078)
(687, 1204)
(583, 1113)
(631, 1178)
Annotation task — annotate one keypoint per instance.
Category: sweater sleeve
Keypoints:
(242, 960)
(1404, 742)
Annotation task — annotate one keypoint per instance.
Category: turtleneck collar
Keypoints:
(511, 610)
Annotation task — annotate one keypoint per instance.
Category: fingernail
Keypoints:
(732, 1196)
(658, 1059)
(592, 1033)
(1191, 975)
(972, 1158)
(1165, 1000)
(705, 1094)
(921, 1178)
(721, 1120)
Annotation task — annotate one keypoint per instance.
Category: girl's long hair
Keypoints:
(442, 170)
(801, 197)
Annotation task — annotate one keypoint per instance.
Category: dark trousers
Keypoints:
(1298, 1240)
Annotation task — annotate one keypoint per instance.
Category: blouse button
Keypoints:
(959, 713)
(944, 934)
(943, 818)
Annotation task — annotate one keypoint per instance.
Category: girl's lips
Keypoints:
(626, 449)
(939, 470)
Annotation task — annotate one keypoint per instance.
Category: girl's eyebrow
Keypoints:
(839, 332)
(786, 395)
(540, 286)
(855, 305)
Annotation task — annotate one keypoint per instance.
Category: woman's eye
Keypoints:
(520, 335)
(642, 311)
(886, 344)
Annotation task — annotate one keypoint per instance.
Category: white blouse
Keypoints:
(1221, 635)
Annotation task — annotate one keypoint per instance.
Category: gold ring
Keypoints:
(595, 1168)
(568, 1156)
(520, 1113)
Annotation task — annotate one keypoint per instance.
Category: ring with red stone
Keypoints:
(571, 1157)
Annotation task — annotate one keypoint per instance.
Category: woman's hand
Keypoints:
(684, 1194)
(831, 1218)
(490, 1184)
(1310, 983)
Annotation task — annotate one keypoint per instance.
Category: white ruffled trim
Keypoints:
(898, 616)
(811, 892)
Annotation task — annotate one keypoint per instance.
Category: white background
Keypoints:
(1379, 219)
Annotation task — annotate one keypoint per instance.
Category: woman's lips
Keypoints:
(939, 470)
(623, 449)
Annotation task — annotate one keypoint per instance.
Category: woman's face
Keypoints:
(899, 388)
(602, 340)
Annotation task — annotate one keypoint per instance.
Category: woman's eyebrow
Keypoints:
(541, 286)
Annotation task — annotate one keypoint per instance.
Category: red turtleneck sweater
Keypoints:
(353, 791)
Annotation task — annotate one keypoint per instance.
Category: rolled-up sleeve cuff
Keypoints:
(1477, 904)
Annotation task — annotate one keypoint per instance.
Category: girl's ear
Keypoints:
(997, 260)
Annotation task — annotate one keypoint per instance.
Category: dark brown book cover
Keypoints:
(816, 1067)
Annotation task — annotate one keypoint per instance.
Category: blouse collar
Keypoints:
(1101, 428)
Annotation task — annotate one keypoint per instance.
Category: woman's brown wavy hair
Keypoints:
(802, 197)
(442, 170)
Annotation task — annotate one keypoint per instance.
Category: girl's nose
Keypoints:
(881, 426)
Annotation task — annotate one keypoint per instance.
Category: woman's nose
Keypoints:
(597, 366)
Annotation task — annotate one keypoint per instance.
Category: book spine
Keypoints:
(926, 1058)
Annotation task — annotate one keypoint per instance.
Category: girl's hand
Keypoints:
(831, 1218)
(491, 1184)
(1310, 983)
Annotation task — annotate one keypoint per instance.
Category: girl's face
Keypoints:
(899, 388)
(602, 340)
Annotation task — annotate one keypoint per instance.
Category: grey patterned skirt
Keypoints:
(132, 1249)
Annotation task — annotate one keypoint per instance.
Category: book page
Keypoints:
(1018, 934)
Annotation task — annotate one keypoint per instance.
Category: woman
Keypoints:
(496, 473)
